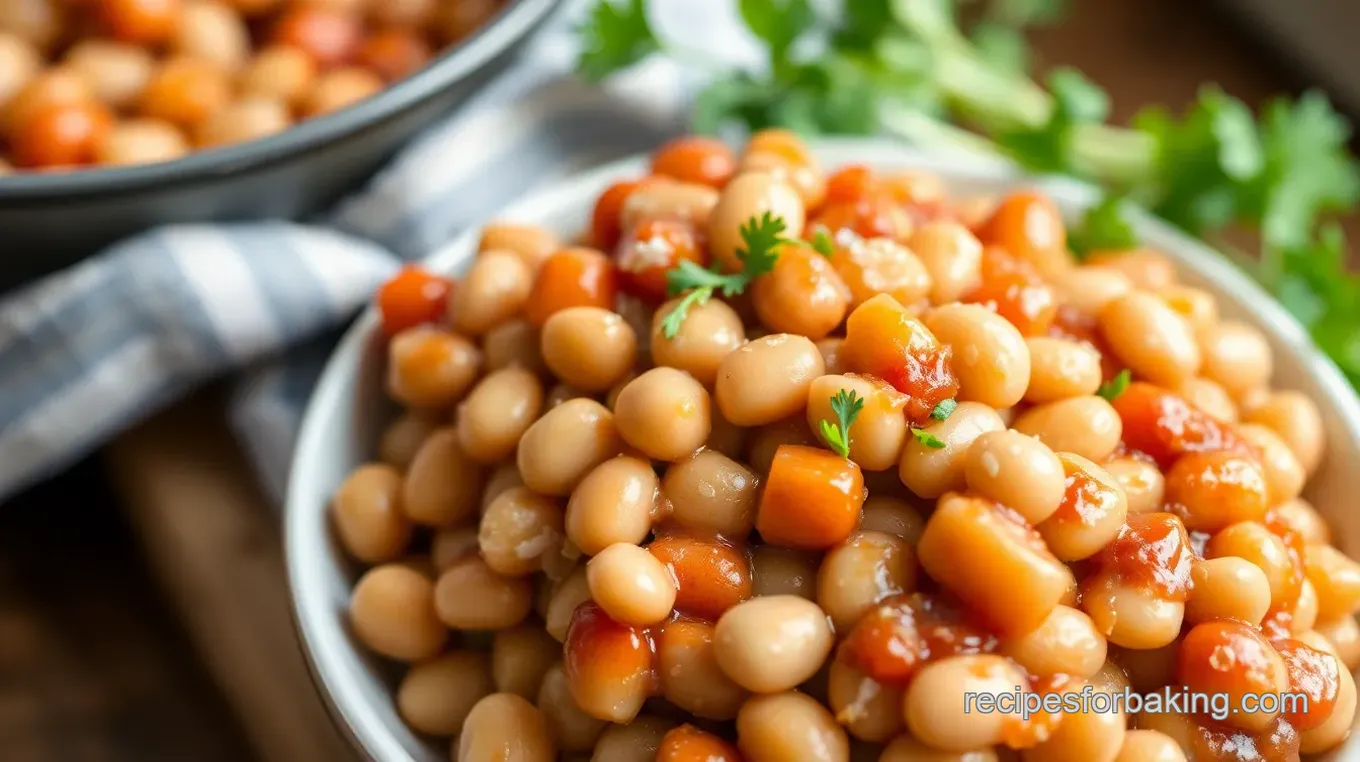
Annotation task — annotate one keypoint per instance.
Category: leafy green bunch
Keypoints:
(908, 68)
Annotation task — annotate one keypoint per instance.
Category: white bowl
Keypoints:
(348, 410)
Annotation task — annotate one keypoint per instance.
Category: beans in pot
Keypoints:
(222, 71)
(807, 522)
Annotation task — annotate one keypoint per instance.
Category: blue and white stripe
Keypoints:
(89, 351)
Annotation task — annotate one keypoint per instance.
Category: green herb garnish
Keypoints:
(1103, 228)
(846, 406)
(822, 242)
(761, 237)
(910, 69)
(928, 439)
(615, 36)
(1111, 389)
(943, 410)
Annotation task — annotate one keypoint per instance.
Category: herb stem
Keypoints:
(1115, 156)
(995, 100)
(923, 131)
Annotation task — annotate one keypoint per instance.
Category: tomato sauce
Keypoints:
(895, 639)
(1165, 426)
(1152, 551)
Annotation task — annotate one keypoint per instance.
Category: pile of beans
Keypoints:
(593, 537)
(117, 82)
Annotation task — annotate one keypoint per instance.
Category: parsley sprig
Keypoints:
(911, 69)
(846, 406)
(761, 238)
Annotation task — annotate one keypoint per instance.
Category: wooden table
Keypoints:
(214, 544)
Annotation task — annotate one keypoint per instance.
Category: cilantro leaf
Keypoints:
(1111, 389)
(846, 406)
(687, 275)
(738, 98)
(928, 439)
(1308, 173)
(761, 237)
(1316, 288)
(778, 22)
(1103, 228)
(943, 410)
(670, 325)
(862, 23)
(614, 36)
(1077, 101)
(1201, 159)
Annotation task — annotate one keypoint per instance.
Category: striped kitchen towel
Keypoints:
(92, 350)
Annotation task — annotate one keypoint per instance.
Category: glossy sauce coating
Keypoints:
(805, 522)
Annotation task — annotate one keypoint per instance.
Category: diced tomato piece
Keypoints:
(875, 215)
(1152, 551)
(882, 339)
(606, 223)
(849, 184)
(1028, 225)
(652, 248)
(1015, 291)
(413, 296)
(694, 159)
(812, 499)
(609, 665)
(711, 574)
(895, 638)
(575, 277)
(1164, 426)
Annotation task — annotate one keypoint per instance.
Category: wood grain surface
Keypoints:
(93, 667)
(215, 544)
(97, 681)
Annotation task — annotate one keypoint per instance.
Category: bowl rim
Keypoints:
(510, 25)
(351, 708)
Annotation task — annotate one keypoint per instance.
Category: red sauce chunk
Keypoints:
(1165, 426)
(894, 639)
(1314, 674)
(653, 247)
(1086, 499)
(1151, 551)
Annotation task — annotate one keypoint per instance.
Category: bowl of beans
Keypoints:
(788, 453)
(124, 114)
